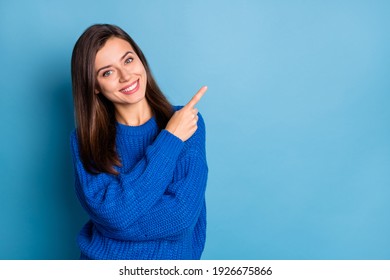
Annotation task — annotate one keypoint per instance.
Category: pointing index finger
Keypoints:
(195, 99)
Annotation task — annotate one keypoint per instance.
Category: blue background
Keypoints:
(297, 115)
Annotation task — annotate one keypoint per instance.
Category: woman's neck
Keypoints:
(134, 114)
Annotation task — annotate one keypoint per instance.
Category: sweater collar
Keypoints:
(147, 127)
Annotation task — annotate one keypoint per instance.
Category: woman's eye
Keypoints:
(107, 73)
(128, 60)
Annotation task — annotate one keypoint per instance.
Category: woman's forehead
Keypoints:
(113, 50)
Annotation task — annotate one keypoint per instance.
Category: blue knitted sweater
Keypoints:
(155, 208)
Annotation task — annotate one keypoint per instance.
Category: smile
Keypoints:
(130, 89)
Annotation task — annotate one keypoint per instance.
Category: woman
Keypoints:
(140, 163)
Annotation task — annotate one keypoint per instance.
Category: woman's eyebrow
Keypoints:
(108, 66)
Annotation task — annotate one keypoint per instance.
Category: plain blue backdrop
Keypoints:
(297, 115)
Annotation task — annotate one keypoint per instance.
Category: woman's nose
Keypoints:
(124, 76)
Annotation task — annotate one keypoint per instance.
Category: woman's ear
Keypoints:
(97, 88)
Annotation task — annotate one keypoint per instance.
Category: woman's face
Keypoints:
(121, 76)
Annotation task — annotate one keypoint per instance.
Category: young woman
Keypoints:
(140, 163)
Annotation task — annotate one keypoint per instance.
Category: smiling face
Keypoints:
(120, 74)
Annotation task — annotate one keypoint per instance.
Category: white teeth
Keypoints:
(130, 87)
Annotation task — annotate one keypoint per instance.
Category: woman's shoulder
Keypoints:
(74, 142)
(177, 107)
(73, 136)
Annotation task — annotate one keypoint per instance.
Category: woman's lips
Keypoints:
(130, 89)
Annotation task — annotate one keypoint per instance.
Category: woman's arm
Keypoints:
(177, 210)
(116, 202)
(180, 206)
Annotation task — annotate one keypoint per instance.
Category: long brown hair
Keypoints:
(94, 114)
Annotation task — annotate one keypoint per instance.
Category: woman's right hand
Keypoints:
(184, 122)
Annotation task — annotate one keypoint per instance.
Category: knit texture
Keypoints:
(155, 208)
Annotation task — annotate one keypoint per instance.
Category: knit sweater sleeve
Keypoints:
(180, 206)
(114, 203)
(147, 202)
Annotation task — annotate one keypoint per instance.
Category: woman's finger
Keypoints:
(195, 99)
